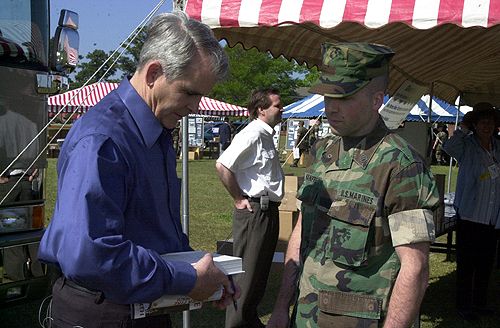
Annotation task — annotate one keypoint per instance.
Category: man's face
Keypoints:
(272, 114)
(175, 99)
(352, 116)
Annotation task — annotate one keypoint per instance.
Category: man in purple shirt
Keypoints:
(118, 198)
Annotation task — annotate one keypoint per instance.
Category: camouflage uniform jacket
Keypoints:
(355, 210)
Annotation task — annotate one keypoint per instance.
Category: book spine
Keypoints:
(169, 302)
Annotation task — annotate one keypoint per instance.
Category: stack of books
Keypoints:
(230, 265)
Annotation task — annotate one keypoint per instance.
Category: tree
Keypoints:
(251, 69)
(91, 63)
(130, 58)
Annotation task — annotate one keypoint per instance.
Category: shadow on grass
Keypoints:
(208, 316)
(438, 307)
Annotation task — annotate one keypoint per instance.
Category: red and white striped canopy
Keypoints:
(453, 45)
(82, 99)
(209, 106)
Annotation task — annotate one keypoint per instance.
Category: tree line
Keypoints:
(249, 70)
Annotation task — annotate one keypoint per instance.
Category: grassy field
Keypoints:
(210, 220)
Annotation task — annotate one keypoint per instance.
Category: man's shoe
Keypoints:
(293, 165)
(467, 315)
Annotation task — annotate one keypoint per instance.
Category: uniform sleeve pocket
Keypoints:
(341, 309)
(350, 231)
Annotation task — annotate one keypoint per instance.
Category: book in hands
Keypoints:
(230, 265)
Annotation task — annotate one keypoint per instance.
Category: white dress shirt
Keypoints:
(254, 161)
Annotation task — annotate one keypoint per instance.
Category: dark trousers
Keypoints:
(254, 239)
(73, 306)
(476, 247)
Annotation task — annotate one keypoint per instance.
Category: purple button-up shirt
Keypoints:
(118, 204)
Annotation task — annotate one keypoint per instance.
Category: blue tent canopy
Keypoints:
(313, 106)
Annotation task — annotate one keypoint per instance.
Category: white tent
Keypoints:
(313, 106)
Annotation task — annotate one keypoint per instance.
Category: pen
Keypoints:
(234, 291)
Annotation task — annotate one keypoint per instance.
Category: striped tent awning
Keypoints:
(209, 106)
(82, 99)
(451, 46)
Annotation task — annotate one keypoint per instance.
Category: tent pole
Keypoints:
(448, 187)
(186, 318)
(429, 120)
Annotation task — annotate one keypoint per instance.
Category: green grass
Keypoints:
(210, 220)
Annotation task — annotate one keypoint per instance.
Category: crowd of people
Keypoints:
(359, 253)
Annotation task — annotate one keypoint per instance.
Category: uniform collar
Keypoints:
(149, 126)
(361, 154)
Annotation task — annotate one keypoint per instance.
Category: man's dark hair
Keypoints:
(260, 99)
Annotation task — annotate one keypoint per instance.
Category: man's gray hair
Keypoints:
(175, 40)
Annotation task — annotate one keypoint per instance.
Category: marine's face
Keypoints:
(175, 99)
(351, 116)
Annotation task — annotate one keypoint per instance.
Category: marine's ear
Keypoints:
(377, 100)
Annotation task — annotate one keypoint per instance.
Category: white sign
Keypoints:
(276, 135)
(397, 108)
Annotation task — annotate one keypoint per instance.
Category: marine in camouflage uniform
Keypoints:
(356, 207)
(360, 203)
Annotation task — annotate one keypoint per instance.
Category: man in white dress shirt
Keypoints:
(250, 170)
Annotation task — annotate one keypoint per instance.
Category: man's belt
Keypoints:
(79, 287)
(257, 200)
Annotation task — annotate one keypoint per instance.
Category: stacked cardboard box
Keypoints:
(288, 217)
(288, 208)
(194, 153)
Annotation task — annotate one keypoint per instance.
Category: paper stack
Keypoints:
(230, 265)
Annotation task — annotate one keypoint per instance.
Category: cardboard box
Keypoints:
(289, 201)
(225, 247)
(287, 223)
(291, 183)
(281, 246)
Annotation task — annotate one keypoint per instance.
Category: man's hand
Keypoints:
(228, 179)
(209, 279)
(229, 296)
(465, 127)
(242, 204)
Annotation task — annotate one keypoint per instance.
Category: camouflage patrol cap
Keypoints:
(348, 67)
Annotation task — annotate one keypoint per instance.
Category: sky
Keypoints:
(104, 24)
